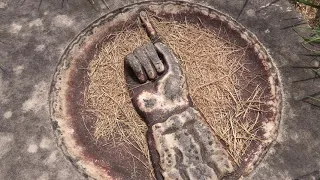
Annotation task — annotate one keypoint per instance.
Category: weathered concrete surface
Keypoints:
(32, 39)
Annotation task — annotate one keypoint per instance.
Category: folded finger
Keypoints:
(136, 67)
(153, 56)
(140, 54)
(168, 55)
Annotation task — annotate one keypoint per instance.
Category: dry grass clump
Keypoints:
(107, 97)
(309, 13)
(215, 75)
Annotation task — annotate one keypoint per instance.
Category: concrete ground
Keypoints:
(34, 34)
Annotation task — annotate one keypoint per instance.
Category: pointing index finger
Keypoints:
(152, 33)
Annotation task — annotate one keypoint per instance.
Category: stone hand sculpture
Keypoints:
(181, 144)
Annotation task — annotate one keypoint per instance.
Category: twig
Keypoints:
(294, 25)
(244, 5)
(39, 5)
(105, 3)
(307, 79)
(92, 4)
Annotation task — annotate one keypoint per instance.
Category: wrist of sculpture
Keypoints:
(184, 147)
(161, 115)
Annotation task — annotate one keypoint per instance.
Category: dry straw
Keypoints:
(309, 13)
(215, 73)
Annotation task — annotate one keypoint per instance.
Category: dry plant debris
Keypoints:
(309, 13)
(214, 69)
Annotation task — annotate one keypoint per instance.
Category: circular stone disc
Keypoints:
(95, 159)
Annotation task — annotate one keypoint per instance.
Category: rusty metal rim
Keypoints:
(63, 130)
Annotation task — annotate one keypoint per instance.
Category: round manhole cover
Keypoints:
(231, 79)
